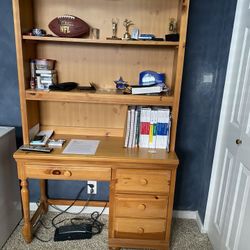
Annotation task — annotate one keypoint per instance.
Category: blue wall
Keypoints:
(208, 41)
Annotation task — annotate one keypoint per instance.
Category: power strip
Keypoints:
(73, 232)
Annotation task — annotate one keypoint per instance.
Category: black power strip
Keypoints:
(73, 232)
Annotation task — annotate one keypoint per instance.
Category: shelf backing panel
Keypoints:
(83, 117)
(149, 16)
(104, 64)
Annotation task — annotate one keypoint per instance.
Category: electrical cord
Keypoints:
(97, 226)
(64, 211)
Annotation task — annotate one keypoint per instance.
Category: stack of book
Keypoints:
(45, 78)
(41, 138)
(148, 128)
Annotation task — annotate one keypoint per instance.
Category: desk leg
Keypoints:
(27, 234)
(43, 196)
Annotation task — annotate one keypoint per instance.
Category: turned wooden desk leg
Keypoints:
(43, 196)
(27, 232)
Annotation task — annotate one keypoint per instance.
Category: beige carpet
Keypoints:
(185, 236)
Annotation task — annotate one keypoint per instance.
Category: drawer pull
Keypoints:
(140, 230)
(142, 207)
(67, 173)
(56, 172)
(144, 181)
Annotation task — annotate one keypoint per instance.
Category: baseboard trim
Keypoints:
(73, 209)
(183, 214)
(200, 224)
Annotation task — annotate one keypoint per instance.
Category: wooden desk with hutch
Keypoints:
(141, 182)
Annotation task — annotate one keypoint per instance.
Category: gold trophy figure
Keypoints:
(127, 23)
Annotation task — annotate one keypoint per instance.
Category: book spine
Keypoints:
(131, 133)
(137, 136)
(162, 128)
(152, 133)
(144, 127)
(134, 130)
(127, 130)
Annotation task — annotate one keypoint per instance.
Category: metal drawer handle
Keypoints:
(142, 207)
(140, 230)
(144, 181)
(56, 172)
(67, 173)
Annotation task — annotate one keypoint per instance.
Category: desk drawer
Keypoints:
(135, 180)
(140, 228)
(141, 206)
(60, 172)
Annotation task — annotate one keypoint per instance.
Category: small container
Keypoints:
(38, 32)
(45, 64)
(95, 33)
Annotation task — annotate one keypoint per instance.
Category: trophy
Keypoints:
(114, 30)
(172, 25)
(126, 24)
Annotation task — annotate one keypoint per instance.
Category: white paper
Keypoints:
(81, 147)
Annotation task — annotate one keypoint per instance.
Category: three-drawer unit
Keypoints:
(141, 206)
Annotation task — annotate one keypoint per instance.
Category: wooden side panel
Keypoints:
(26, 15)
(184, 11)
(33, 113)
(22, 21)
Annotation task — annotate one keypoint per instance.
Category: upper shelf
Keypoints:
(99, 41)
(99, 96)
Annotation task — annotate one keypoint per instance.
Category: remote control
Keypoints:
(36, 148)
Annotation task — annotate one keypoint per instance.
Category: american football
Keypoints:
(69, 26)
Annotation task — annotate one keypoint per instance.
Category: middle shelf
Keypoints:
(99, 96)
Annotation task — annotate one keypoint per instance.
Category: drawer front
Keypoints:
(57, 172)
(152, 181)
(141, 206)
(140, 228)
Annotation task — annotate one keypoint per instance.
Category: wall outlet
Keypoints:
(94, 183)
(208, 78)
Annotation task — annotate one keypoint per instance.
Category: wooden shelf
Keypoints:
(93, 41)
(100, 96)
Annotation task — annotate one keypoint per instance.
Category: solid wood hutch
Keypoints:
(141, 183)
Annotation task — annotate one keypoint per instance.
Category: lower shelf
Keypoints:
(100, 96)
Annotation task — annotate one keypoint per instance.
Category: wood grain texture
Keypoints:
(184, 11)
(130, 228)
(104, 64)
(142, 183)
(103, 118)
(143, 206)
(100, 41)
(27, 227)
(108, 96)
(110, 149)
(146, 181)
(138, 11)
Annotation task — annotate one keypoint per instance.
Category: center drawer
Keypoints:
(137, 180)
(72, 172)
(141, 206)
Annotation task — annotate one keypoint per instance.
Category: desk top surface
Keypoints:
(110, 149)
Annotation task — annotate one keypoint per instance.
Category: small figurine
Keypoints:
(126, 24)
(173, 25)
(121, 84)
